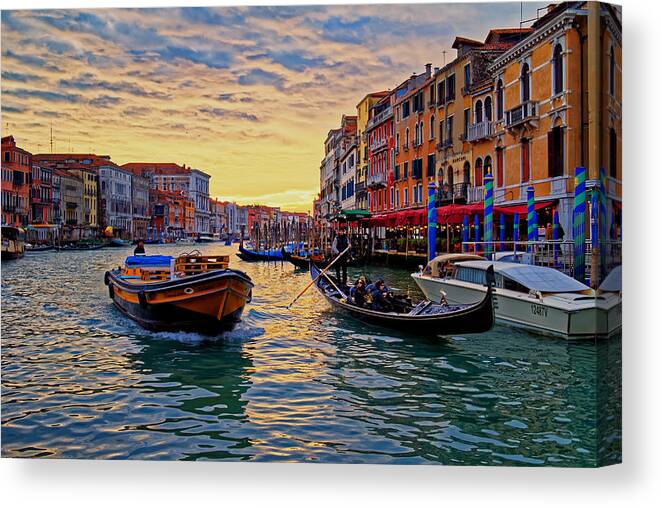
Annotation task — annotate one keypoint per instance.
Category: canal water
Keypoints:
(79, 380)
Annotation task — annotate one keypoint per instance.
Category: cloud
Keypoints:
(44, 95)
(13, 109)
(30, 60)
(105, 101)
(292, 60)
(212, 59)
(136, 111)
(258, 76)
(217, 112)
(19, 77)
(88, 81)
(233, 97)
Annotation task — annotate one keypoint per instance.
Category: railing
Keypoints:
(475, 194)
(378, 118)
(376, 180)
(521, 113)
(379, 144)
(481, 130)
(445, 143)
(360, 186)
(456, 192)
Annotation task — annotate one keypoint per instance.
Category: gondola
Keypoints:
(303, 261)
(425, 318)
(253, 256)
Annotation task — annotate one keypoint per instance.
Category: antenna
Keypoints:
(444, 51)
(521, 17)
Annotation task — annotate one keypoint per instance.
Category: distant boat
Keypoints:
(189, 293)
(273, 254)
(205, 238)
(13, 242)
(30, 249)
(117, 242)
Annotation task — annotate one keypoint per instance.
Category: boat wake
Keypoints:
(242, 332)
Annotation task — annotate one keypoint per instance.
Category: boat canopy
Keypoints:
(135, 261)
(434, 266)
(539, 278)
(613, 281)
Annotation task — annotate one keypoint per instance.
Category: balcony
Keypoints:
(445, 143)
(524, 112)
(454, 193)
(559, 185)
(379, 145)
(475, 194)
(379, 118)
(377, 180)
(478, 131)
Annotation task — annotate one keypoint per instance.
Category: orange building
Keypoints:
(172, 214)
(16, 176)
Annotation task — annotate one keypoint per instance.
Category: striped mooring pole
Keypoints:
(488, 212)
(431, 221)
(531, 215)
(515, 232)
(578, 226)
(464, 234)
(502, 232)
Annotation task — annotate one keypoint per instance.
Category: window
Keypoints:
(450, 176)
(558, 77)
(500, 104)
(467, 172)
(421, 133)
(406, 138)
(441, 93)
(406, 197)
(406, 170)
(431, 165)
(432, 94)
(450, 87)
(467, 75)
(397, 141)
(556, 152)
(415, 194)
(450, 128)
(487, 165)
(611, 72)
(467, 119)
(432, 122)
(525, 83)
(612, 152)
(478, 111)
(525, 160)
(397, 197)
(396, 173)
(487, 109)
(415, 135)
(406, 109)
(499, 166)
(7, 155)
(441, 132)
(392, 196)
(478, 173)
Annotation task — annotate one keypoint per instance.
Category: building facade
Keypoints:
(362, 159)
(380, 136)
(199, 193)
(16, 176)
(115, 194)
(141, 214)
(41, 195)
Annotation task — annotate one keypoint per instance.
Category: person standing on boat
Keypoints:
(340, 244)
(140, 248)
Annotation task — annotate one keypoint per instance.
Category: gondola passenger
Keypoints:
(381, 297)
(358, 293)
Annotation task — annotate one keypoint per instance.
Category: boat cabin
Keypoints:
(523, 278)
(442, 266)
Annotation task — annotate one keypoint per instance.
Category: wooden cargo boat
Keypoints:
(426, 318)
(13, 242)
(188, 293)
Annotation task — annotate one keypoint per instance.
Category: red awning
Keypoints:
(521, 209)
(454, 213)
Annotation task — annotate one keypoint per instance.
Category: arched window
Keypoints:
(558, 72)
(422, 132)
(500, 105)
(467, 172)
(415, 135)
(478, 172)
(450, 176)
(406, 138)
(487, 109)
(487, 165)
(431, 126)
(525, 82)
(478, 111)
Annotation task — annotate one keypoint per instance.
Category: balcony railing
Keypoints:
(376, 180)
(378, 118)
(475, 194)
(523, 112)
(456, 192)
(445, 143)
(360, 187)
(559, 185)
(481, 130)
(379, 144)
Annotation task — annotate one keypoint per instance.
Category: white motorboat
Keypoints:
(537, 298)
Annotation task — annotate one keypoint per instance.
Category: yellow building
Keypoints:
(362, 113)
(543, 116)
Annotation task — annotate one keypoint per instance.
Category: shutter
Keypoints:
(560, 152)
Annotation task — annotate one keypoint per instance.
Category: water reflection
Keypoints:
(79, 380)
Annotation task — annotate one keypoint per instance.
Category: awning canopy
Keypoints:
(355, 214)
(454, 213)
(521, 209)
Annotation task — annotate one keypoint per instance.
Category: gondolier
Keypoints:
(340, 244)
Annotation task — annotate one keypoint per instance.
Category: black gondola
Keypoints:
(426, 317)
(303, 262)
(253, 256)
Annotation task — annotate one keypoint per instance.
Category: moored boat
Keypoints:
(188, 293)
(13, 242)
(537, 298)
(426, 318)
(249, 255)
(117, 242)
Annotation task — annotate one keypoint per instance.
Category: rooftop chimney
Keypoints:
(428, 69)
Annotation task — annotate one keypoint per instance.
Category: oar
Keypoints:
(323, 272)
(333, 284)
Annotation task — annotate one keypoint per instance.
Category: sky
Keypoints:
(246, 94)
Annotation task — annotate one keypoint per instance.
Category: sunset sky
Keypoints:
(247, 94)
